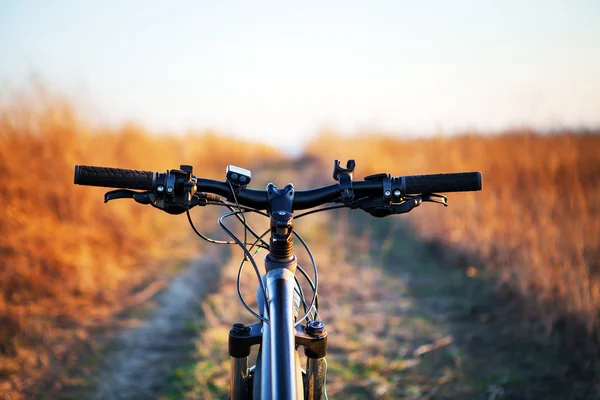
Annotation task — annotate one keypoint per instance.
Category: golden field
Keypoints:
(67, 261)
(535, 226)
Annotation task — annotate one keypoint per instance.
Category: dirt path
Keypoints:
(140, 359)
(136, 362)
(406, 320)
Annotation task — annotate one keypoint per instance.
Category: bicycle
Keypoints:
(280, 329)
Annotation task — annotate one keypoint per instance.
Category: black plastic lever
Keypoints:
(119, 194)
(435, 198)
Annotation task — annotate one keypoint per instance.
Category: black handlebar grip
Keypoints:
(440, 183)
(114, 177)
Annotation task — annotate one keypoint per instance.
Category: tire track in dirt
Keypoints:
(139, 360)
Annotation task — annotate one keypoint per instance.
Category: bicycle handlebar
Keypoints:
(303, 199)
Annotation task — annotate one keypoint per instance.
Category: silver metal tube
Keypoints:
(265, 355)
(238, 378)
(315, 378)
(280, 286)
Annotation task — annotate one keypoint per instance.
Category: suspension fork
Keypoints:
(241, 338)
(280, 374)
(281, 377)
(314, 339)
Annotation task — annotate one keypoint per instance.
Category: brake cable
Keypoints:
(298, 288)
(264, 245)
(202, 235)
(248, 255)
(316, 274)
(241, 210)
(238, 281)
(320, 210)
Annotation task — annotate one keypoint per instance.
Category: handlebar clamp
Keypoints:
(393, 188)
(344, 178)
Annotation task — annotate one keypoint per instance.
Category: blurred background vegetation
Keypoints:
(496, 296)
(68, 262)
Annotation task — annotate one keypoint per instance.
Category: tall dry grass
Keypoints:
(535, 226)
(67, 261)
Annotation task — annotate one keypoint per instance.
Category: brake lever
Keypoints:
(140, 197)
(150, 198)
(119, 194)
(435, 198)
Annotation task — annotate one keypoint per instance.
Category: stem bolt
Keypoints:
(397, 193)
(160, 189)
(170, 189)
(387, 193)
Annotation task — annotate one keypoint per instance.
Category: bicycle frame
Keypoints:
(280, 287)
(278, 374)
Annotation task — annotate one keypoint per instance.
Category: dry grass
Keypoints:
(388, 297)
(66, 260)
(535, 226)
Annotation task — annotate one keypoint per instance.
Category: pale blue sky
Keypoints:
(279, 72)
